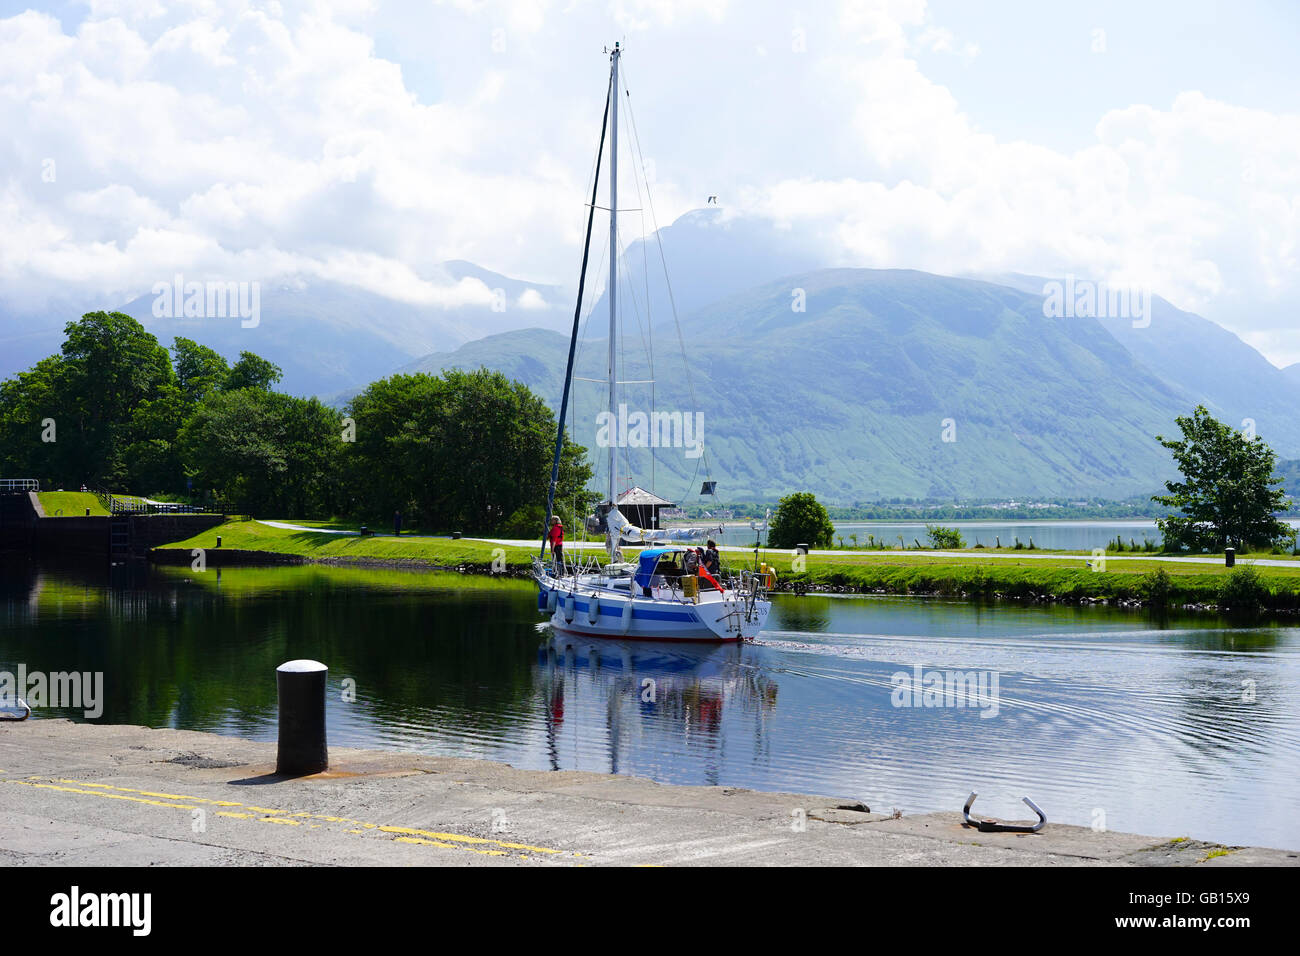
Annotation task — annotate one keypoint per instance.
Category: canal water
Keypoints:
(1179, 727)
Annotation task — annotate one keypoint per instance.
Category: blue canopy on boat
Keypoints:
(648, 559)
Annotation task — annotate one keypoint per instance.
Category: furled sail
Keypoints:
(628, 533)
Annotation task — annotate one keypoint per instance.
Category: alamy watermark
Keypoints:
(1087, 299)
(74, 908)
(70, 690)
(626, 429)
(179, 299)
(935, 688)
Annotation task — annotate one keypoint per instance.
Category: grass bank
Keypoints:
(1058, 576)
(254, 537)
(70, 504)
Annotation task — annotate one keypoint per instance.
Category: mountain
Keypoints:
(1207, 365)
(850, 398)
(325, 335)
(710, 255)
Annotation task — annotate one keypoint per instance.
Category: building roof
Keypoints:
(637, 495)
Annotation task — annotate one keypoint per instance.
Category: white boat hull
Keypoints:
(594, 611)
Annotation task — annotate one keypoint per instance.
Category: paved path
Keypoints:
(86, 794)
(299, 527)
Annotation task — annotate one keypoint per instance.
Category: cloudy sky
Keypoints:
(370, 141)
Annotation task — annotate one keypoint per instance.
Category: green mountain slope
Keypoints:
(849, 398)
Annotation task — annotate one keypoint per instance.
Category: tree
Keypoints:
(68, 419)
(26, 402)
(1226, 495)
(264, 452)
(199, 369)
(252, 371)
(153, 462)
(800, 519)
(461, 451)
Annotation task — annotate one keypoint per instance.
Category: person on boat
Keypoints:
(690, 562)
(712, 560)
(556, 537)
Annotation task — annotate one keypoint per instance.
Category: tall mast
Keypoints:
(613, 265)
(573, 338)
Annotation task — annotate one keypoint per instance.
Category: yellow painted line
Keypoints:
(151, 793)
(449, 846)
(467, 839)
(100, 793)
(454, 841)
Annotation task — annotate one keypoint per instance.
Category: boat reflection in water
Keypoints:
(647, 690)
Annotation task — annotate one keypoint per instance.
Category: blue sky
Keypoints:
(366, 141)
(1036, 76)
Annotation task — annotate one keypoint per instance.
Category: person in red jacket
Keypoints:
(556, 538)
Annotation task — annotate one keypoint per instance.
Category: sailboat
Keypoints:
(663, 595)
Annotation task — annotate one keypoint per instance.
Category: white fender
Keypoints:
(626, 622)
(552, 600)
(570, 606)
(593, 609)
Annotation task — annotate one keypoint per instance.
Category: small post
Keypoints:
(218, 541)
(1229, 557)
(300, 686)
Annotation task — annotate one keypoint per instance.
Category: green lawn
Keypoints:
(254, 536)
(1063, 575)
(69, 504)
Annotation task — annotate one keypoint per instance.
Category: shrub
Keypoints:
(1156, 587)
(1243, 590)
(944, 539)
(801, 519)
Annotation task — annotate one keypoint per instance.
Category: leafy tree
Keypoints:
(1226, 496)
(264, 452)
(153, 462)
(466, 450)
(199, 369)
(26, 401)
(800, 519)
(252, 371)
(108, 367)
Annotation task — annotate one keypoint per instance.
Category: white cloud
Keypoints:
(368, 143)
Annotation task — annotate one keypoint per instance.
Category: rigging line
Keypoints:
(582, 346)
(647, 339)
(573, 339)
(586, 322)
(642, 331)
(648, 336)
(636, 310)
(672, 301)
